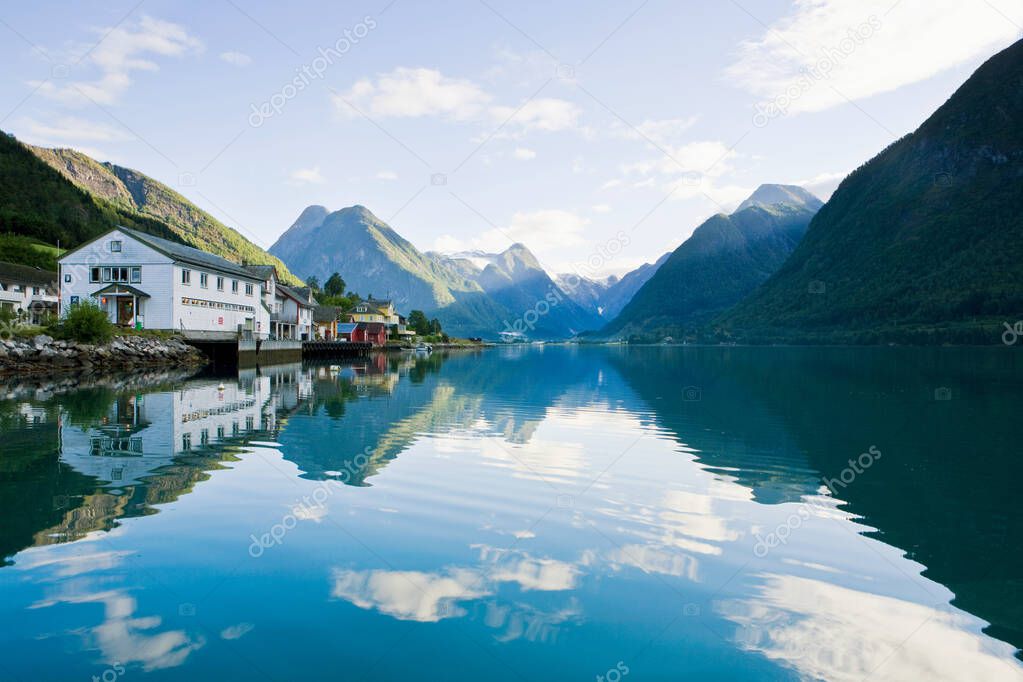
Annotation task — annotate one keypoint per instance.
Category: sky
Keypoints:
(599, 133)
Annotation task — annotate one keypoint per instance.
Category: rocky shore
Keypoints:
(44, 355)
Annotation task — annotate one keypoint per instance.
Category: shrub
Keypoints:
(87, 323)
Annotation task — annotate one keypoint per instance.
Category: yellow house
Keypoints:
(372, 310)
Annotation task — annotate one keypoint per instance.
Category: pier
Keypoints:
(335, 349)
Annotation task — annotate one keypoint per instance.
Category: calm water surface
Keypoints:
(522, 513)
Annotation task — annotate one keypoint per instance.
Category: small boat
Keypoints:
(424, 348)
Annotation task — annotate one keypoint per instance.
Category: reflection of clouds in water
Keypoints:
(653, 559)
(129, 640)
(408, 595)
(236, 631)
(73, 563)
(121, 637)
(825, 631)
(522, 621)
(551, 461)
(433, 596)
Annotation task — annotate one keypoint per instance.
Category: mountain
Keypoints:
(514, 279)
(923, 243)
(791, 195)
(53, 194)
(375, 260)
(38, 202)
(725, 259)
(624, 290)
(585, 292)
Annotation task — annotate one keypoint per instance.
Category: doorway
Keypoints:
(125, 310)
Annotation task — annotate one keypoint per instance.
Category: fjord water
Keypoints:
(553, 513)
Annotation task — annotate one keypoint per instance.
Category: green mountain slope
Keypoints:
(924, 243)
(374, 259)
(725, 259)
(36, 201)
(129, 193)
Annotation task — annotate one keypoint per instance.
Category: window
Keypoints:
(204, 280)
(36, 291)
(234, 286)
(136, 275)
(248, 289)
(74, 300)
(67, 279)
(220, 283)
(115, 246)
(186, 276)
(93, 274)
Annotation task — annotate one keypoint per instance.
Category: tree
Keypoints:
(435, 326)
(87, 323)
(313, 282)
(418, 322)
(334, 286)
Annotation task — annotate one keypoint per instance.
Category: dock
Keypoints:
(335, 349)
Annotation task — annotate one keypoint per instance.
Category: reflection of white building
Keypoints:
(142, 432)
(148, 282)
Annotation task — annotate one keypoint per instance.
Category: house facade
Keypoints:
(363, 332)
(30, 293)
(295, 317)
(148, 282)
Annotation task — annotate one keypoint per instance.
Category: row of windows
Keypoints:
(120, 275)
(202, 303)
(204, 282)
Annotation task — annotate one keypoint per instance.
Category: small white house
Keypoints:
(295, 317)
(152, 283)
(29, 292)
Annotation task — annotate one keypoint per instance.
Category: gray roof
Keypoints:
(189, 254)
(261, 271)
(295, 294)
(26, 274)
(327, 313)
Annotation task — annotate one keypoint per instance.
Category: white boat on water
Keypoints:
(424, 348)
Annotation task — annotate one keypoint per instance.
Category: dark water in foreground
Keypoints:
(523, 513)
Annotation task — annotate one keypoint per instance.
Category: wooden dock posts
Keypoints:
(335, 349)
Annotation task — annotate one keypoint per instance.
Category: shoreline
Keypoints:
(42, 356)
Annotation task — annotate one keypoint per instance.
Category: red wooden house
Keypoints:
(361, 332)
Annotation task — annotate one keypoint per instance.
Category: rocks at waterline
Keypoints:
(42, 354)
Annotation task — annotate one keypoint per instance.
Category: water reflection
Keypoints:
(559, 506)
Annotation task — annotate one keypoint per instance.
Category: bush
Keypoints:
(87, 323)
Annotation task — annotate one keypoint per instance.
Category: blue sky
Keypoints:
(470, 123)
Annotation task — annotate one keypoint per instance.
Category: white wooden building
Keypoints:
(28, 292)
(152, 283)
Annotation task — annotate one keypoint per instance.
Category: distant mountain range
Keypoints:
(725, 259)
(64, 195)
(478, 294)
(924, 243)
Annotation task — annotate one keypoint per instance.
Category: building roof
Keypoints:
(347, 327)
(261, 271)
(121, 289)
(296, 295)
(375, 327)
(326, 313)
(189, 254)
(26, 274)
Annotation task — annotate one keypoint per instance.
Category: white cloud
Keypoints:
(822, 185)
(709, 157)
(547, 114)
(447, 243)
(121, 51)
(601, 208)
(236, 58)
(386, 175)
(524, 154)
(414, 92)
(71, 130)
(663, 131)
(307, 176)
(828, 50)
(419, 92)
